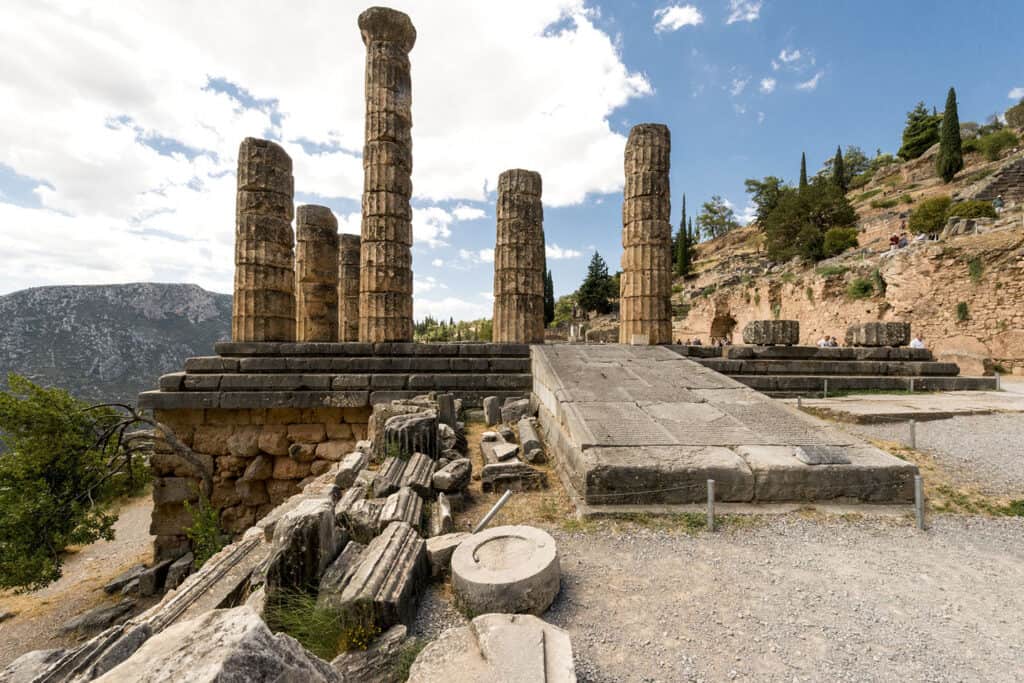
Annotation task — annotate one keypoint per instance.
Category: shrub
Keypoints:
(975, 268)
(838, 240)
(992, 145)
(1015, 115)
(860, 288)
(961, 311)
(810, 293)
(907, 199)
(205, 533)
(930, 215)
(973, 208)
(884, 203)
(860, 180)
(868, 195)
(878, 281)
(832, 271)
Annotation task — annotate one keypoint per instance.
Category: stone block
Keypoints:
(244, 442)
(878, 334)
(179, 571)
(259, 468)
(237, 518)
(362, 519)
(441, 521)
(333, 450)
(512, 475)
(418, 474)
(170, 519)
(151, 581)
(349, 497)
(175, 490)
(338, 574)
(408, 434)
(772, 332)
(404, 505)
(212, 439)
(273, 439)
(287, 468)
(515, 410)
(389, 477)
(376, 664)
(302, 452)
(306, 541)
(252, 493)
(454, 476)
(281, 490)
(492, 410)
(498, 451)
(351, 465)
(307, 433)
(439, 552)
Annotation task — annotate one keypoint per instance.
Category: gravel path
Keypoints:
(40, 614)
(984, 450)
(797, 599)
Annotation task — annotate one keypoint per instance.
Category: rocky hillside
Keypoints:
(108, 342)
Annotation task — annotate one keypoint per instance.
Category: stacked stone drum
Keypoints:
(316, 272)
(519, 260)
(348, 288)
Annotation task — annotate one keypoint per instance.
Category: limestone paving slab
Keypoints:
(673, 424)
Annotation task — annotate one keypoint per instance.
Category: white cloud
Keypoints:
(789, 56)
(744, 10)
(450, 307)
(437, 263)
(738, 86)
(748, 214)
(768, 85)
(760, 117)
(467, 213)
(811, 83)
(675, 17)
(1016, 93)
(350, 223)
(426, 284)
(556, 253)
(477, 255)
(110, 108)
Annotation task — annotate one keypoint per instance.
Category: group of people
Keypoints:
(828, 342)
(715, 341)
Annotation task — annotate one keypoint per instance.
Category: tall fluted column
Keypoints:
(385, 276)
(316, 274)
(646, 284)
(264, 301)
(348, 288)
(519, 259)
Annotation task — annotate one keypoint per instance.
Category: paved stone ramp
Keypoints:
(643, 425)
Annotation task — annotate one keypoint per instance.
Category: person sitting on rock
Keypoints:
(823, 342)
(833, 342)
(902, 241)
(917, 342)
(997, 204)
(894, 241)
(697, 341)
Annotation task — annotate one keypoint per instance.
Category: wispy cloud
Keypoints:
(760, 117)
(467, 213)
(744, 10)
(811, 83)
(768, 85)
(675, 17)
(477, 255)
(738, 86)
(1016, 93)
(556, 253)
(789, 56)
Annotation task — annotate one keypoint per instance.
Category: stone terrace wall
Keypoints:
(259, 458)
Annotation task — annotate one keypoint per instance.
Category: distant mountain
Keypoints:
(108, 342)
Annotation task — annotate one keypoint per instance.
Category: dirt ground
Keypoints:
(41, 613)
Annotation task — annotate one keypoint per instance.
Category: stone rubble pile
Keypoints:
(508, 465)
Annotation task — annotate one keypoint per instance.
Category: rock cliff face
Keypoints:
(108, 342)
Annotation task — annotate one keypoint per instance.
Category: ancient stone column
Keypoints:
(348, 288)
(519, 259)
(645, 310)
(264, 302)
(316, 274)
(385, 276)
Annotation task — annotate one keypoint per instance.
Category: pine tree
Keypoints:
(951, 157)
(839, 170)
(803, 171)
(549, 298)
(920, 133)
(596, 290)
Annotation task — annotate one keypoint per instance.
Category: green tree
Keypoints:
(765, 194)
(797, 225)
(951, 158)
(838, 170)
(681, 245)
(930, 215)
(1015, 115)
(803, 171)
(64, 462)
(838, 240)
(920, 133)
(716, 218)
(549, 298)
(596, 292)
(855, 163)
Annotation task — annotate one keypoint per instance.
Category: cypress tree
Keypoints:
(803, 170)
(839, 170)
(951, 157)
(680, 244)
(549, 298)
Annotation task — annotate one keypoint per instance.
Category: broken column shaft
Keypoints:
(519, 259)
(385, 286)
(316, 274)
(646, 284)
(264, 299)
(348, 288)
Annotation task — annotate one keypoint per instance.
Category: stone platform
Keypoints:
(251, 375)
(643, 425)
(789, 371)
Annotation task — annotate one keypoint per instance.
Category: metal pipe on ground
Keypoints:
(492, 512)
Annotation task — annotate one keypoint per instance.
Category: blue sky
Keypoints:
(121, 124)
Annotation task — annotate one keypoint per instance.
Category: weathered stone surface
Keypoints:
(446, 412)
(260, 468)
(514, 410)
(222, 645)
(402, 506)
(511, 648)
(512, 475)
(408, 434)
(772, 332)
(454, 476)
(264, 299)
(349, 467)
(316, 274)
(179, 571)
(507, 434)
(441, 521)
(99, 617)
(822, 455)
(123, 579)
(389, 576)
(385, 291)
(492, 410)
(529, 436)
(646, 281)
(418, 475)
(878, 334)
(338, 574)
(350, 497)
(362, 519)
(306, 540)
(446, 436)
(506, 569)
(152, 580)
(29, 666)
(389, 477)
(498, 451)
(440, 549)
(376, 664)
(519, 261)
(348, 288)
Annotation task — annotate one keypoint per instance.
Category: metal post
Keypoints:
(493, 511)
(799, 403)
(911, 385)
(913, 434)
(999, 382)
(711, 504)
(824, 392)
(919, 501)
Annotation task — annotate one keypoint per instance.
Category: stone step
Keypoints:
(482, 349)
(199, 400)
(734, 368)
(840, 353)
(792, 385)
(354, 364)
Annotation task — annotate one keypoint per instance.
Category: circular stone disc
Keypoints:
(508, 569)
